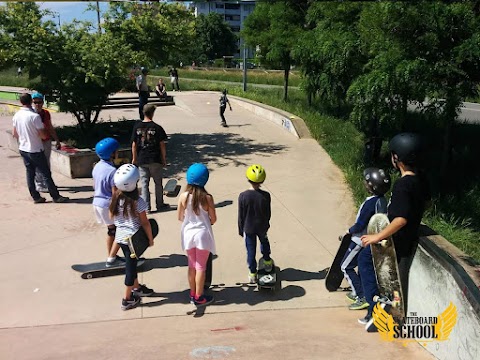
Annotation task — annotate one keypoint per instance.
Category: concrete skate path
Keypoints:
(49, 312)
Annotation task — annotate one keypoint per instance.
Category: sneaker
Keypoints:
(143, 291)
(252, 278)
(359, 304)
(268, 265)
(351, 297)
(40, 200)
(224, 124)
(117, 261)
(203, 300)
(365, 320)
(61, 199)
(132, 303)
(42, 190)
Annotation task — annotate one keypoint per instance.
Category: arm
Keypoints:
(241, 215)
(163, 152)
(391, 229)
(211, 209)
(228, 101)
(146, 226)
(181, 206)
(51, 130)
(15, 133)
(43, 133)
(134, 152)
(367, 210)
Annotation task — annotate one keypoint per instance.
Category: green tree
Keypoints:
(214, 37)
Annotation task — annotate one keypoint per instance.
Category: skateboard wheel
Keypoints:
(376, 298)
(89, 276)
(384, 243)
(132, 256)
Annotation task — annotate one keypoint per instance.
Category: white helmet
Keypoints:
(126, 177)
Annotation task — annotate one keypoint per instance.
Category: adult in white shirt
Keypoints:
(29, 130)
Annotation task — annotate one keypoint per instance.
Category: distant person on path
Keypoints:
(30, 131)
(196, 210)
(223, 106)
(174, 79)
(161, 90)
(143, 91)
(377, 183)
(19, 71)
(40, 181)
(149, 153)
(128, 212)
(103, 184)
(410, 195)
(254, 211)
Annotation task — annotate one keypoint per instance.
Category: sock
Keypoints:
(111, 259)
(197, 296)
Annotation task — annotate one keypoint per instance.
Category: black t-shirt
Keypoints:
(409, 196)
(254, 212)
(148, 135)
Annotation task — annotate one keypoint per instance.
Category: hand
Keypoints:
(58, 145)
(230, 108)
(369, 239)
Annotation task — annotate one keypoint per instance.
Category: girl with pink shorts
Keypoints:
(196, 210)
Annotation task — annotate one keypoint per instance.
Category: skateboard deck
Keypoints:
(386, 269)
(208, 272)
(266, 280)
(334, 277)
(138, 243)
(94, 270)
(170, 187)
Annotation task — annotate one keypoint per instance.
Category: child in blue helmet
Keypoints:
(196, 210)
(103, 184)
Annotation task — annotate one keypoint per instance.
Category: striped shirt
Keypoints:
(127, 226)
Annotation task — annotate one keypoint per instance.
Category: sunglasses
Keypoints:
(38, 102)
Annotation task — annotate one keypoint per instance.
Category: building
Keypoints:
(233, 12)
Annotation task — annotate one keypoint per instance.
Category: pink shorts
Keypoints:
(197, 258)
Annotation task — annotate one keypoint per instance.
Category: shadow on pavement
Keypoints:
(75, 189)
(223, 203)
(291, 274)
(164, 262)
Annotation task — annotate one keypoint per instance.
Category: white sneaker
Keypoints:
(252, 278)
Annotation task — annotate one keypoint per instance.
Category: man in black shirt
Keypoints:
(410, 195)
(150, 155)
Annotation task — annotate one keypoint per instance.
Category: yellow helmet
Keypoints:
(256, 174)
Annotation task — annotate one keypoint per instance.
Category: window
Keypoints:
(219, 5)
(232, 6)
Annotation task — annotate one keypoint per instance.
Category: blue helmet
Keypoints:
(106, 147)
(37, 95)
(197, 174)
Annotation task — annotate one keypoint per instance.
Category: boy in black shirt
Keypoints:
(223, 106)
(254, 220)
(410, 194)
(149, 153)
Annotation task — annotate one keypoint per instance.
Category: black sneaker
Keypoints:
(203, 300)
(143, 291)
(132, 303)
(40, 200)
(224, 124)
(365, 320)
(163, 207)
(61, 199)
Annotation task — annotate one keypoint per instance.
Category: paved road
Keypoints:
(49, 312)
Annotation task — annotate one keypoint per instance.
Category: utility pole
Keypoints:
(244, 67)
(98, 19)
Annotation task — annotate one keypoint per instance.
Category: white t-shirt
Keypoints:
(127, 226)
(28, 123)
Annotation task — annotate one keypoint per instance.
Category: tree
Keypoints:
(275, 27)
(214, 37)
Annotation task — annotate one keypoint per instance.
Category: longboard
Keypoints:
(266, 280)
(99, 269)
(386, 269)
(138, 242)
(170, 188)
(208, 272)
(334, 277)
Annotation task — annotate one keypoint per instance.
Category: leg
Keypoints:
(348, 265)
(367, 274)
(200, 267)
(131, 280)
(30, 167)
(145, 181)
(110, 241)
(42, 167)
(251, 245)
(156, 171)
(404, 264)
(191, 254)
(222, 111)
(264, 246)
(40, 181)
(208, 271)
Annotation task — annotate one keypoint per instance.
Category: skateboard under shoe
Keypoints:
(266, 280)
(334, 277)
(170, 188)
(386, 269)
(99, 269)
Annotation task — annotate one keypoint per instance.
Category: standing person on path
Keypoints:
(30, 131)
(40, 181)
(149, 153)
(410, 195)
(377, 183)
(196, 210)
(223, 106)
(174, 79)
(143, 91)
(103, 185)
(128, 212)
(254, 211)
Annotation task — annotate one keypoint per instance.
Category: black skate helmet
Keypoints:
(407, 147)
(377, 180)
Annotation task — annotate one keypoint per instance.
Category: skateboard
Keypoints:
(94, 270)
(208, 272)
(266, 280)
(386, 269)
(170, 187)
(334, 277)
(138, 242)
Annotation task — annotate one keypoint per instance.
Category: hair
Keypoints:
(127, 201)
(199, 197)
(26, 99)
(149, 110)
